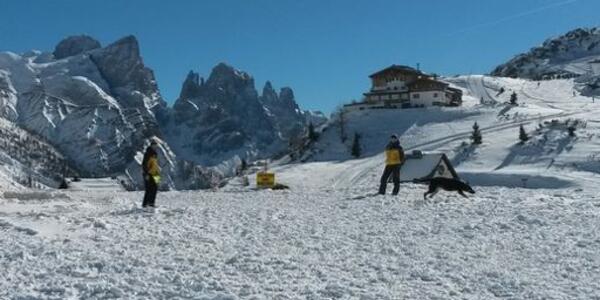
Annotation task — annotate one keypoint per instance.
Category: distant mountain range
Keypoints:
(99, 106)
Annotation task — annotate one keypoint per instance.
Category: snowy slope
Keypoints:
(302, 244)
(550, 159)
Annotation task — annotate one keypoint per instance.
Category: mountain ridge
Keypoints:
(575, 54)
(100, 105)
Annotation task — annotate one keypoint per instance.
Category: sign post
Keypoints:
(264, 178)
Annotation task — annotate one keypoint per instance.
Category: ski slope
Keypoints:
(446, 129)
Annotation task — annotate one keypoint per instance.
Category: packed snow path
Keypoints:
(501, 243)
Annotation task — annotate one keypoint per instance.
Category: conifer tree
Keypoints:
(513, 98)
(523, 135)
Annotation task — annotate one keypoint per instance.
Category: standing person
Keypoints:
(151, 173)
(394, 157)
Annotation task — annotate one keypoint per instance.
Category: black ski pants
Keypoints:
(150, 194)
(394, 171)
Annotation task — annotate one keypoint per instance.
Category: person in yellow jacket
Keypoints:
(151, 173)
(394, 157)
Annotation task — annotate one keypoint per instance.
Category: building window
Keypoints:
(435, 95)
(415, 96)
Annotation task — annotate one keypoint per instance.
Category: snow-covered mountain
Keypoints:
(97, 105)
(574, 54)
(224, 119)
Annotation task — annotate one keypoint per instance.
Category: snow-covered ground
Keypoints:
(327, 237)
(328, 244)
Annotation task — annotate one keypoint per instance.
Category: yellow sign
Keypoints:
(265, 180)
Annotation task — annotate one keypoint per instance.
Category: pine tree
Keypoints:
(513, 98)
(312, 134)
(476, 135)
(356, 148)
(523, 135)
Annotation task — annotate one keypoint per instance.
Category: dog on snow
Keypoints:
(446, 184)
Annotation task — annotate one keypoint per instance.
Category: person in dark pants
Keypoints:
(151, 172)
(394, 157)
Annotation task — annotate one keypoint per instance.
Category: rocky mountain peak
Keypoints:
(268, 86)
(74, 45)
(551, 58)
(224, 75)
(268, 93)
(286, 94)
(191, 86)
(128, 78)
(128, 46)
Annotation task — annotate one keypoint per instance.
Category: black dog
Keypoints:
(447, 184)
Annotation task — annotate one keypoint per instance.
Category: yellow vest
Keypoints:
(393, 157)
(153, 168)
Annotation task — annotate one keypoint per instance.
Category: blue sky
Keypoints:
(323, 49)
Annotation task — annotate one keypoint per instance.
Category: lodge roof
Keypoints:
(454, 90)
(402, 68)
(427, 80)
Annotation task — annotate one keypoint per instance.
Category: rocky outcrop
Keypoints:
(284, 112)
(575, 54)
(220, 119)
(74, 45)
(191, 86)
(565, 56)
(8, 97)
(128, 78)
(224, 118)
